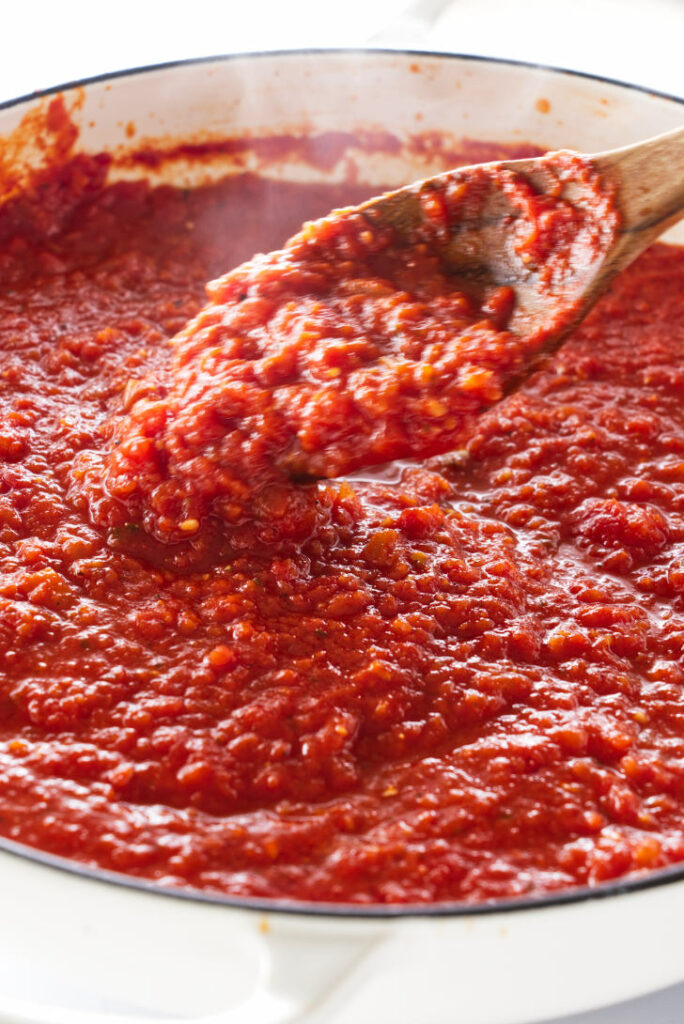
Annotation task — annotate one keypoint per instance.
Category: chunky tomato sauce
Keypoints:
(455, 680)
(350, 347)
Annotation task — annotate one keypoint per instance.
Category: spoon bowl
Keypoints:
(645, 182)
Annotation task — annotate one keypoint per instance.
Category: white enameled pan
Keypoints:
(74, 940)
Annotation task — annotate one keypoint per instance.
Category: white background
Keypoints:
(642, 41)
(42, 44)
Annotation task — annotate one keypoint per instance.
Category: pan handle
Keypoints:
(311, 973)
(304, 978)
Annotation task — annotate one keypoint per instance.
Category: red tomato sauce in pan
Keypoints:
(452, 680)
(352, 346)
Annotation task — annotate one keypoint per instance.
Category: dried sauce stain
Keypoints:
(321, 150)
(44, 137)
(464, 683)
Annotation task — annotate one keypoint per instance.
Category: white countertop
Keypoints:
(636, 40)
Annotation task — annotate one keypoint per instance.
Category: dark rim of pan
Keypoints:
(647, 880)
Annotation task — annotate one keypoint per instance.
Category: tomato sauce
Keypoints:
(459, 679)
(352, 346)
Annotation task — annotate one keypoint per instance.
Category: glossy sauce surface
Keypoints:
(463, 682)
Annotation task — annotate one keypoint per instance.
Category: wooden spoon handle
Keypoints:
(650, 181)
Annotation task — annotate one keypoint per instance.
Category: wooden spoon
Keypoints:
(356, 344)
(647, 181)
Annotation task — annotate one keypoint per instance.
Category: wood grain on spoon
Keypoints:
(648, 178)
